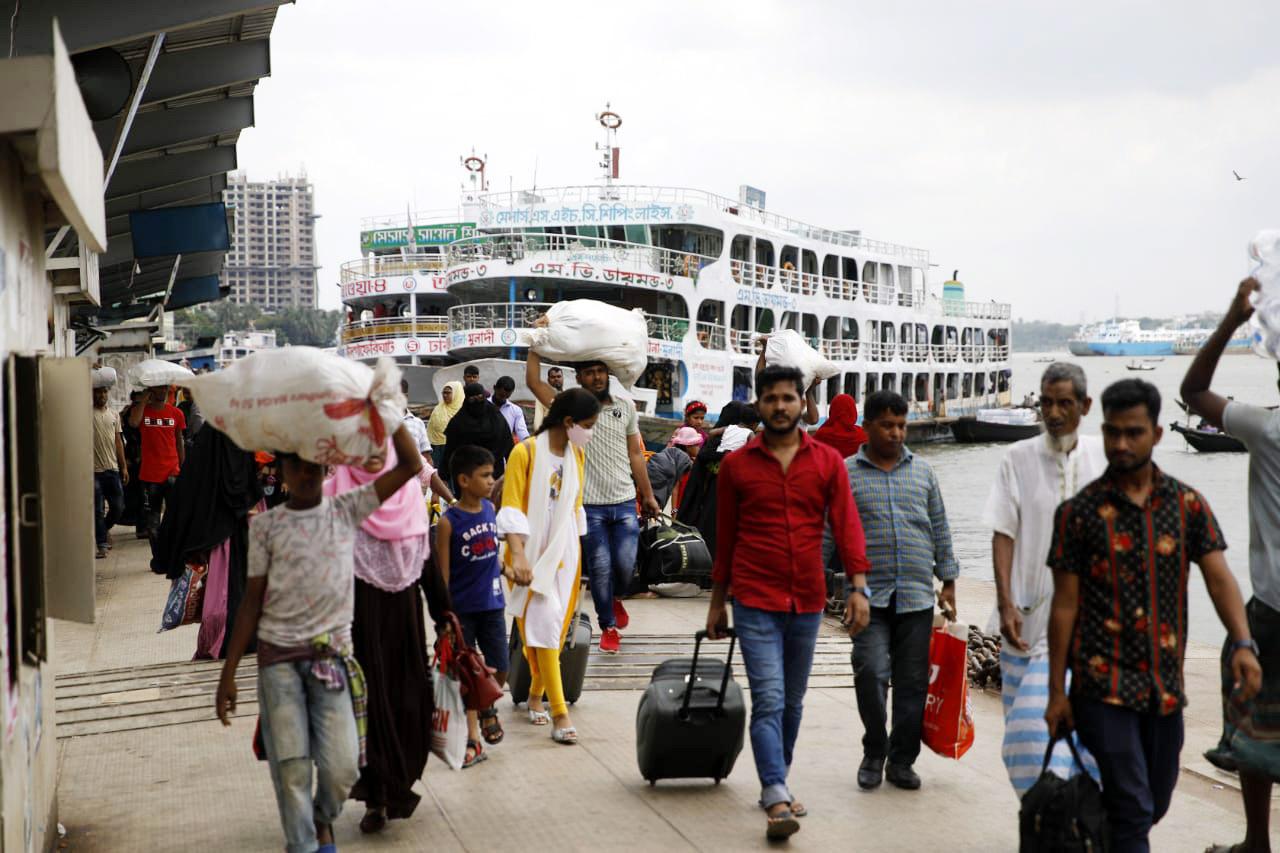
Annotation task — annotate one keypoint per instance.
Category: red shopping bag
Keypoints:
(948, 716)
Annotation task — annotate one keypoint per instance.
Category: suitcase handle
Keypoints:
(693, 670)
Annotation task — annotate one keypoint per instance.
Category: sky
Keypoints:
(1063, 158)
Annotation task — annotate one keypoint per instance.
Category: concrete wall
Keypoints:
(28, 749)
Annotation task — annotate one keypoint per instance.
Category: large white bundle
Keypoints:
(302, 400)
(1264, 325)
(588, 330)
(103, 377)
(789, 349)
(153, 372)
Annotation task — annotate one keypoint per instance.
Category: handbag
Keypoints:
(947, 727)
(480, 690)
(1063, 815)
(673, 552)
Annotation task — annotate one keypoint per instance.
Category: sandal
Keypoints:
(491, 726)
(539, 718)
(797, 808)
(567, 736)
(476, 751)
(782, 825)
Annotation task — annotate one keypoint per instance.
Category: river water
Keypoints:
(966, 471)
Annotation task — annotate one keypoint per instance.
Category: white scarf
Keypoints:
(547, 556)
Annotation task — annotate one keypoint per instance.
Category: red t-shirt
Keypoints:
(161, 429)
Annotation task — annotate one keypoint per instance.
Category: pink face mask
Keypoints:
(579, 435)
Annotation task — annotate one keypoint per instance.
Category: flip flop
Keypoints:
(539, 718)
(567, 736)
(782, 825)
(797, 808)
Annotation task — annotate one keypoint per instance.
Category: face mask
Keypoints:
(579, 435)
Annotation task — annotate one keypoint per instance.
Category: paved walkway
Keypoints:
(143, 766)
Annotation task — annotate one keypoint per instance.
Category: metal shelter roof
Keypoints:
(194, 65)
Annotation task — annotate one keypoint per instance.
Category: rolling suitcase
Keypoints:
(692, 719)
(573, 659)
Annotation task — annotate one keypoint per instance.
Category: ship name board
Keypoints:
(397, 346)
(608, 275)
(605, 213)
(423, 235)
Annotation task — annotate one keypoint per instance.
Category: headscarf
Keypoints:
(480, 423)
(694, 406)
(401, 516)
(841, 430)
(443, 413)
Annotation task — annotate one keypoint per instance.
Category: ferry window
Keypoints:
(637, 234)
(833, 387)
(953, 386)
(740, 248)
(922, 387)
(790, 320)
(711, 311)
(764, 263)
(764, 320)
(851, 385)
(616, 232)
(904, 279)
(790, 255)
(886, 275)
(967, 390)
(830, 266)
(906, 387)
(848, 329)
(809, 328)
(886, 382)
(873, 384)
(808, 261)
(869, 272)
(831, 329)
(849, 269)
(742, 384)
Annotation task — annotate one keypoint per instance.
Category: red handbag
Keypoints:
(480, 690)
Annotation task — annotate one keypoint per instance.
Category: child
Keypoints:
(299, 602)
(467, 555)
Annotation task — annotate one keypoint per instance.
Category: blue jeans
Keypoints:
(109, 490)
(777, 651)
(613, 530)
(303, 721)
(894, 649)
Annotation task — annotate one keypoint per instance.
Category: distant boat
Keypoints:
(1137, 365)
(1046, 360)
(996, 425)
(1209, 442)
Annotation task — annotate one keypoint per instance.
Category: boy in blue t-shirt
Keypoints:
(467, 554)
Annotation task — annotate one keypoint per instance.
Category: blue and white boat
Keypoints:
(1127, 338)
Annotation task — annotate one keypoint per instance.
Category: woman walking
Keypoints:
(541, 519)
(438, 422)
(480, 423)
(390, 639)
(841, 429)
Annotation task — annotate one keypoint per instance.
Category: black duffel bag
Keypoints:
(673, 552)
(1063, 815)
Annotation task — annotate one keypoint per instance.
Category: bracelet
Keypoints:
(1249, 644)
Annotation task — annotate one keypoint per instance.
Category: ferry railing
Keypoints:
(751, 274)
(742, 341)
(711, 335)
(840, 288)
(915, 352)
(423, 326)
(837, 350)
(881, 350)
(591, 196)
(383, 265)
(977, 310)
(667, 328)
(495, 315)
(570, 248)
(402, 219)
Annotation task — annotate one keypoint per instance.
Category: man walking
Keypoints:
(615, 472)
(1035, 476)
(511, 413)
(555, 378)
(413, 423)
(1120, 554)
(1251, 734)
(160, 426)
(908, 545)
(110, 471)
(774, 496)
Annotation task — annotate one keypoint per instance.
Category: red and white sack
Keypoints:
(326, 409)
(948, 716)
(789, 349)
(589, 330)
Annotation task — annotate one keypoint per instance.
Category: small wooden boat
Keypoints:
(970, 430)
(1046, 360)
(1209, 442)
(1137, 365)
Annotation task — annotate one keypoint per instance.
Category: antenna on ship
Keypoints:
(610, 121)
(476, 166)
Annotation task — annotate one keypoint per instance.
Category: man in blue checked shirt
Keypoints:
(908, 545)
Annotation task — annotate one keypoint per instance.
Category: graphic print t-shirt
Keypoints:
(159, 427)
(475, 576)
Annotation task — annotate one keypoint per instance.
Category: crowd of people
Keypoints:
(1090, 545)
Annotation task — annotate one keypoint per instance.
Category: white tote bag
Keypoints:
(449, 721)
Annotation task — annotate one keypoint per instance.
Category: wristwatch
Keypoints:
(864, 589)
(1249, 644)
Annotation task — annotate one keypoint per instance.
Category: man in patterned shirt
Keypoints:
(1120, 554)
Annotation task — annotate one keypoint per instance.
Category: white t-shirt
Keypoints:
(308, 559)
(1259, 429)
(1032, 480)
(418, 430)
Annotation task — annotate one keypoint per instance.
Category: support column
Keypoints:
(511, 298)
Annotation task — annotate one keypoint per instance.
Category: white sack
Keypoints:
(326, 409)
(789, 349)
(1264, 325)
(103, 377)
(588, 330)
(153, 372)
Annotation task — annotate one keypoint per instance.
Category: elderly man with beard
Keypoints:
(1035, 476)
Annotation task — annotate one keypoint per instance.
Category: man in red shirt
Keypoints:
(163, 452)
(775, 496)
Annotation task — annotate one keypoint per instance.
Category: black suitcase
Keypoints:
(573, 659)
(692, 719)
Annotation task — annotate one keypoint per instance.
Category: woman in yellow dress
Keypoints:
(541, 520)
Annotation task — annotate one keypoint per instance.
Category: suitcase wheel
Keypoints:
(717, 780)
(653, 782)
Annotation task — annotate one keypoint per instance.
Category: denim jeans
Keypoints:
(108, 502)
(777, 651)
(894, 648)
(1138, 759)
(153, 498)
(613, 530)
(303, 721)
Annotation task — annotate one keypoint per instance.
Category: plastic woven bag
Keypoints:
(1264, 325)
(103, 377)
(326, 409)
(948, 716)
(153, 373)
(588, 330)
(186, 598)
(789, 349)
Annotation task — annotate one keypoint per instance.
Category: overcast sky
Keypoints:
(1059, 158)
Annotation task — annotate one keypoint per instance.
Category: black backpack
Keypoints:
(1063, 815)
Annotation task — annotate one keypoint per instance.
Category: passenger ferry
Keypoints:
(712, 275)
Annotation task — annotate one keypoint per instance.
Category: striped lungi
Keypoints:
(1251, 732)
(1026, 737)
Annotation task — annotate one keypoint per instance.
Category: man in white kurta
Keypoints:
(1035, 476)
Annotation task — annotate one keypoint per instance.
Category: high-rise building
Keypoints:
(272, 263)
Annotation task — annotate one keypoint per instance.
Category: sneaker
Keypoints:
(620, 618)
(609, 641)
(102, 552)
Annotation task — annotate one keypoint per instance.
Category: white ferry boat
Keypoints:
(711, 273)
(1128, 338)
(236, 345)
